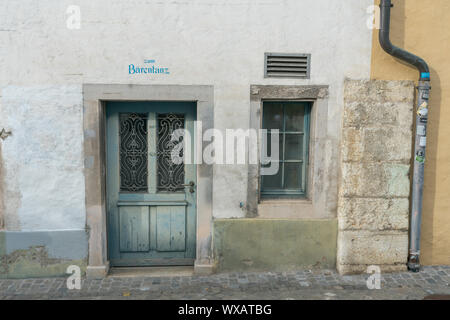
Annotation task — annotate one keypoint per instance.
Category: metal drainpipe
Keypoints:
(421, 131)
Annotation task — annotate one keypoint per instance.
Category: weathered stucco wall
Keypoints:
(41, 253)
(42, 160)
(375, 165)
(421, 26)
(43, 65)
(42, 171)
(220, 43)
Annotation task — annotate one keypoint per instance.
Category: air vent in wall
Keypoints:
(285, 65)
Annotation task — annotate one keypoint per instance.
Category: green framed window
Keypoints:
(292, 119)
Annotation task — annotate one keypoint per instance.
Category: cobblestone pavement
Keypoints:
(305, 284)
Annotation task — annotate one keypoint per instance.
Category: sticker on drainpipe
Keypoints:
(423, 141)
(423, 110)
(421, 130)
(420, 157)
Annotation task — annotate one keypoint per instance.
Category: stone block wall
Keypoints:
(374, 190)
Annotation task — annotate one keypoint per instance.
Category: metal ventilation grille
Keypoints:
(287, 65)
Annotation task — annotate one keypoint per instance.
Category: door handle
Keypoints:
(190, 184)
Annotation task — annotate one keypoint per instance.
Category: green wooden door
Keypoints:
(151, 199)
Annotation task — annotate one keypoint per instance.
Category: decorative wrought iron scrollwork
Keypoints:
(133, 152)
(170, 174)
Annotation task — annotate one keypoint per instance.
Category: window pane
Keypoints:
(273, 116)
(274, 181)
(294, 147)
(290, 118)
(294, 113)
(292, 175)
(280, 146)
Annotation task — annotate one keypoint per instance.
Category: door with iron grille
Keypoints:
(151, 189)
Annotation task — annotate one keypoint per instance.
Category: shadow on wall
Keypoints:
(421, 26)
(429, 201)
(398, 35)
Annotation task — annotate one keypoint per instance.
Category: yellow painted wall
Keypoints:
(423, 27)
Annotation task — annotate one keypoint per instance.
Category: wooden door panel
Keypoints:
(171, 228)
(134, 228)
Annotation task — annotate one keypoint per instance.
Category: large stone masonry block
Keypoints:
(387, 144)
(375, 180)
(372, 248)
(352, 146)
(379, 91)
(377, 114)
(380, 144)
(373, 214)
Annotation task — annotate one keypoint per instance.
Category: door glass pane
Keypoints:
(294, 113)
(133, 152)
(170, 173)
(292, 175)
(273, 181)
(273, 116)
(293, 147)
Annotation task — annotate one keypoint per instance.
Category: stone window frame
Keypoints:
(94, 98)
(314, 204)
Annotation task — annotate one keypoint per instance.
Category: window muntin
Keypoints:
(291, 118)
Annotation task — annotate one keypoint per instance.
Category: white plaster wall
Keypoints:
(42, 159)
(220, 43)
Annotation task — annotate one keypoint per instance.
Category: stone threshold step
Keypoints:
(133, 272)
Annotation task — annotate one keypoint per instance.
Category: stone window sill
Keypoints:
(286, 209)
